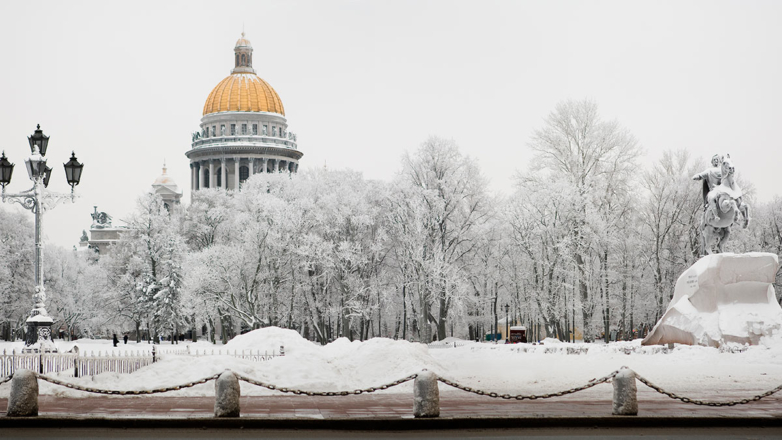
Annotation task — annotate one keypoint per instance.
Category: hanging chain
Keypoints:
(589, 384)
(325, 393)
(706, 402)
(126, 393)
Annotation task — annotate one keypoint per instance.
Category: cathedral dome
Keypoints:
(243, 90)
(166, 188)
(243, 131)
(244, 42)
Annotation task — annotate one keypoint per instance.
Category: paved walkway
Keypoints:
(389, 406)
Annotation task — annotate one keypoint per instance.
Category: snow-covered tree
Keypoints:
(158, 243)
(452, 194)
(78, 290)
(598, 159)
(16, 271)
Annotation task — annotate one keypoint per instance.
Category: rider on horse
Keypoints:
(723, 204)
(711, 178)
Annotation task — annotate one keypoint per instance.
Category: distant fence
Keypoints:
(571, 349)
(75, 364)
(453, 344)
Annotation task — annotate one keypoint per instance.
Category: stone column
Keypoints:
(625, 394)
(197, 175)
(224, 172)
(426, 395)
(23, 399)
(237, 165)
(192, 177)
(227, 393)
(211, 174)
(252, 166)
(265, 163)
(277, 165)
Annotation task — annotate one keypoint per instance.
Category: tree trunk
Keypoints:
(426, 328)
(583, 289)
(606, 299)
(195, 330)
(404, 310)
(442, 318)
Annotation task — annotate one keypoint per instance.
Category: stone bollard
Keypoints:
(227, 395)
(23, 401)
(426, 395)
(625, 393)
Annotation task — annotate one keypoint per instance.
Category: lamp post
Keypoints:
(39, 200)
(507, 324)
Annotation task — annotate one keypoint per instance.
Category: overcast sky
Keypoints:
(124, 84)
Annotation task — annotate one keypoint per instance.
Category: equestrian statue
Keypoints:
(722, 204)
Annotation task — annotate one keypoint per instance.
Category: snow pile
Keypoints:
(550, 341)
(721, 299)
(270, 339)
(339, 366)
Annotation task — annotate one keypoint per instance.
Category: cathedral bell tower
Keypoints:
(243, 52)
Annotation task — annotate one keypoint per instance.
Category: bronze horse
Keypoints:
(725, 206)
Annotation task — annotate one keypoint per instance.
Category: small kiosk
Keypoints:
(518, 333)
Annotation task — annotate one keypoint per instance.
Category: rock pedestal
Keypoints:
(722, 298)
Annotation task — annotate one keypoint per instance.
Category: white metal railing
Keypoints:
(76, 364)
(127, 362)
(249, 355)
(264, 140)
(40, 362)
(453, 344)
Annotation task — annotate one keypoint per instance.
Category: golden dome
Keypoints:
(243, 92)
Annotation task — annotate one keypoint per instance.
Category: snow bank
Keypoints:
(695, 371)
(691, 370)
(270, 339)
(339, 366)
(721, 299)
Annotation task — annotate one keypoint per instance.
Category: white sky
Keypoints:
(124, 84)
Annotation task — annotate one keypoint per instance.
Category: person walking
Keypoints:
(125, 338)
(116, 341)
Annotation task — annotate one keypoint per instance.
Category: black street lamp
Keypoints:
(6, 169)
(38, 140)
(39, 200)
(507, 324)
(73, 171)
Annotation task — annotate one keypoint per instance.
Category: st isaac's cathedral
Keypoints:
(243, 130)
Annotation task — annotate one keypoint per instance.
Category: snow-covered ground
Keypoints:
(697, 372)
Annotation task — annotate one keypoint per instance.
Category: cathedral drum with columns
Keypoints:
(243, 130)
